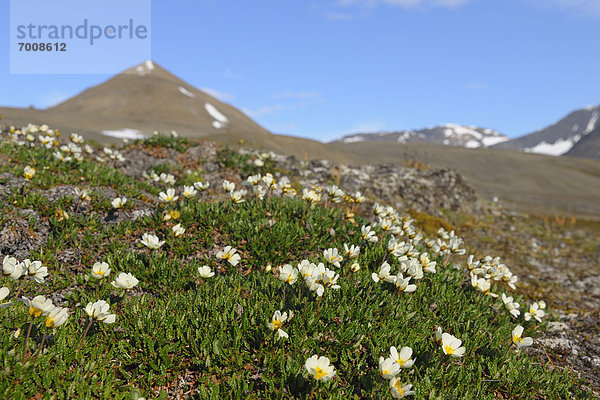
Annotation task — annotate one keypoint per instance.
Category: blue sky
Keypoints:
(327, 68)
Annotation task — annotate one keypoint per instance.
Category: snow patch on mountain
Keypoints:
(591, 123)
(186, 92)
(353, 139)
(557, 148)
(220, 119)
(125, 134)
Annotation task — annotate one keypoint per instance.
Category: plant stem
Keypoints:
(84, 334)
(39, 349)
(26, 341)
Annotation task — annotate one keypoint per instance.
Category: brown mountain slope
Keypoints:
(537, 183)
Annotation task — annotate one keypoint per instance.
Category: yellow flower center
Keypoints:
(398, 386)
(49, 322)
(319, 373)
(277, 324)
(401, 362)
(289, 279)
(449, 350)
(517, 339)
(35, 312)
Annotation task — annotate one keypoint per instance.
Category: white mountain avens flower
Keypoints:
(35, 270)
(118, 202)
(518, 339)
(384, 274)
(427, 264)
(28, 173)
(228, 186)
(82, 194)
(100, 270)
(320, 368)
(189, 192)
(38, 306)
(388, 368)
(288, 274)
(254, 180)
(100, 312)
(57, 317)
(534, 312)
(277, 322)
(368, 234)
(151, 241)
(403, 284)
(237, 196)
(230, 255)
(125, 281)
(452, 345)
(351, 251)
(355, 267)
(202, 186)
(4, 292)
(511, 306)
(169, 196)
(11, 268)
(167, 179)
(331, 256)
(178, 230)
(205, 271)
(403, 358)
(398, 390)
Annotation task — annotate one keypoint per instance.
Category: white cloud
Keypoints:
(582, 8)
(266, 110)
(223, 96)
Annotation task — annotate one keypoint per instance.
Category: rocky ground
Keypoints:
(557, 257)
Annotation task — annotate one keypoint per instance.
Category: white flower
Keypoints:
(452, 345)
(167, 179)
(254, 180)
(40, 305)
(403, 284)
(82, 194)
(355, 267)
(169, 196)
(288, 274)
(320, 368)
(28, 173)
(388, 368)
(178, 230)
(118, 202)
(100, 270)
(189, 192)
(427, 264)
(384, 274)
(535, 311)
(202, 186)
(368, 234)
(511, 306)
(331, 256)
(398, 390)
(205, 271)
(151, 241)
(11, 268)
(35, 270)
(237, 196)
(57, 317)
(125, 281)
(228, 186)
(99, 311)
(277, 322)
(4, 292)
(403, 358)
(229, 254)
(258, 162)
(517, 338)
(352, 251)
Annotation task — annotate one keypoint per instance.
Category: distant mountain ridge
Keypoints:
(448, 134)
(557, 139)
(560, 137)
